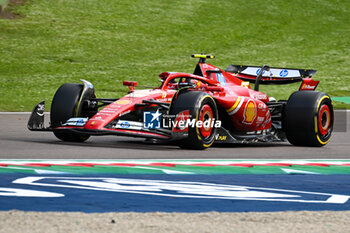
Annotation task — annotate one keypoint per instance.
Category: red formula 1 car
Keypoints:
(197, 110)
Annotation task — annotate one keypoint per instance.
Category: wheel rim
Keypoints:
(324, 119)
(206, 115)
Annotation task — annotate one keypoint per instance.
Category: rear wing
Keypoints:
(273, 75)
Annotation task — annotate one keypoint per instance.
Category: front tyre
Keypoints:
(64, 106)
(202, 107)
(308, 118)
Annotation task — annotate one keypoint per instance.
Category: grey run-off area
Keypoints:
(17, 142)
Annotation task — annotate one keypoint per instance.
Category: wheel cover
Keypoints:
(206, 114)
(324, 119)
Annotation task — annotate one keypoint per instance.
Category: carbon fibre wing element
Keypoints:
(274, 75)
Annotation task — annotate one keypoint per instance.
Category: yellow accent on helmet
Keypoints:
(202, 56)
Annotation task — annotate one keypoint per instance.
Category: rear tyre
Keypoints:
(64, 106)
(308, 118)
(201, 107)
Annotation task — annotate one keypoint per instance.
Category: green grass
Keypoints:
(106, 42)
(3, 2)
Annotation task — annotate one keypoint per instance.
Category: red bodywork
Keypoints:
(245, 107)
(196, 110)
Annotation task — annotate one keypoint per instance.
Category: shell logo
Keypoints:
(249, 112)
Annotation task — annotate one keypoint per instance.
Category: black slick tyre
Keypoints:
(201, 107)
(308, 118)
(64, 106)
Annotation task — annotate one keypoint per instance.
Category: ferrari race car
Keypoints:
(196, 110)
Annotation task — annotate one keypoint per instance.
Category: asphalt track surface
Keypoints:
(17, 142)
